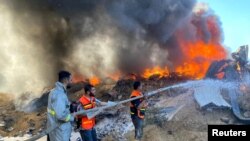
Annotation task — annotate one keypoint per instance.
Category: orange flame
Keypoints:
(77, 78)
(115, 76)
(156, 71)
(94, 81)
(198, 56)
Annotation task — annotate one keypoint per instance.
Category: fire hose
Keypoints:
(93, 112)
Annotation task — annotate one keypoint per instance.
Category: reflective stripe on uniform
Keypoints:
(52, 112)
(88, 106)
(87, 122)
(67, 118)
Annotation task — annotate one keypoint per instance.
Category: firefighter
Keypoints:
(137, 110)
(88, 101)
(58, 109)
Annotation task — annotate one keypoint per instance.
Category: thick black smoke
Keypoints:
(96, 37)
(151, 24)
(157, 19)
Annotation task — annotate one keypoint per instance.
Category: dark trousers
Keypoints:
(138, 124)
(88, 135)
(49, 139)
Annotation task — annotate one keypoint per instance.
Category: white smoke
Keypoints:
(201, 7)
(94, 55)
(21, 57)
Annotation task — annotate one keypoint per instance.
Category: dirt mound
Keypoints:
(15, 123)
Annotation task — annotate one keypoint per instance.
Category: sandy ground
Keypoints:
(189, 124)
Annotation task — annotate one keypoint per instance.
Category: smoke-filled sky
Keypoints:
(235, 18)
(96, 38)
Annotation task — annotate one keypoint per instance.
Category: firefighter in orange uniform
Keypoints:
(88, 101)
(137, 110)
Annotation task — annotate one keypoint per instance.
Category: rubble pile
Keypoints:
(235, 69)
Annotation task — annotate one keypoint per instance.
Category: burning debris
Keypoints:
(236, 69)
